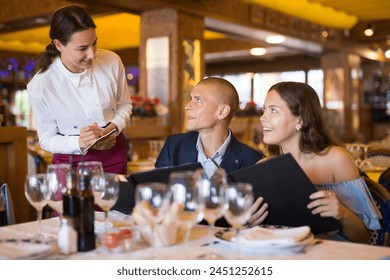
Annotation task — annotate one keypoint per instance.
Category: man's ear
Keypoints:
(224, 111)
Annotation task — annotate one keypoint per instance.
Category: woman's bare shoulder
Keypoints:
(341, 161)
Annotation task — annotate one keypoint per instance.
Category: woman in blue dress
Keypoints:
(293, 123)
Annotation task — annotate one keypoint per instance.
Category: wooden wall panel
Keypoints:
(13, 167)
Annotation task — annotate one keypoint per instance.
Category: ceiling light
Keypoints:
(258, 51)
(387, 54)
(41, 20)
(275, 39)
(369, 31)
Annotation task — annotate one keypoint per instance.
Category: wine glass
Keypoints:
(212, 192)
(357, 151)
(106, 192)
(365, 164)
(58, 179)
(152, 204)
(91, 168)
(37, 193)
(186, 202)
(238, 201)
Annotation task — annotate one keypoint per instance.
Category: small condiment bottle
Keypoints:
(67, 237)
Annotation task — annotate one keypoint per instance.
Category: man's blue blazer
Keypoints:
(181, 148)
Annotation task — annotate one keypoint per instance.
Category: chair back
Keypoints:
(5, 196)
(384, 179)
(381, 197)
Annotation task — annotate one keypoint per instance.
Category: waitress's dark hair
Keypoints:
(65, 22)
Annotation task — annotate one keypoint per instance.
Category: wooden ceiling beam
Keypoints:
(252, 16)
(21, 14)
(15, 10)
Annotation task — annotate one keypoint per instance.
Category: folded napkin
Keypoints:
(24, 250)
(273, 236)
(166, 233)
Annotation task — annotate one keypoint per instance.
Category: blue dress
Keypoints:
(356, 197)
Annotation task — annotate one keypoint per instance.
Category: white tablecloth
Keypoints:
(318, 250)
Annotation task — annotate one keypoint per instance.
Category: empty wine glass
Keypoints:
(357, 151)
(186, 201)
(152, 204)
(90, 168)
(37, 193)
(58, 179)
(238, 201)
(365, 164)
(212, 192)
(106, 192)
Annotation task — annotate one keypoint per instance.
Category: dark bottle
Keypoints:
(69, 197)
(85, 218)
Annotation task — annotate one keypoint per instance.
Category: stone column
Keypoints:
(342, 94)
(171, 59)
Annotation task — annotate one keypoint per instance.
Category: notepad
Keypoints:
(286, 188)
(105, 136)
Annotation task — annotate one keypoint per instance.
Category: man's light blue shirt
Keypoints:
(206, 162)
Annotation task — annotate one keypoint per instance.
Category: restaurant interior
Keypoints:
(340, 48)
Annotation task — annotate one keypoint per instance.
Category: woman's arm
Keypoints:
(327, 204)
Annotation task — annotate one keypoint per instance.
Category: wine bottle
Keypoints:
(85, 213)
(69, 197)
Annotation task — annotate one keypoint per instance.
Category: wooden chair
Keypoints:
(382, 199)
(5, 196)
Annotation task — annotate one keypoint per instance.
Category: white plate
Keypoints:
(224, 236)
(24, 250)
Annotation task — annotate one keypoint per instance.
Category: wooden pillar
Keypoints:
(13, 167)
(171, 59)
(342, 94)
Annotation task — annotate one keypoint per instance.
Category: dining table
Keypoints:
(13, 238)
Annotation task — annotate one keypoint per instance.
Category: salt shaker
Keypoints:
(67, 237)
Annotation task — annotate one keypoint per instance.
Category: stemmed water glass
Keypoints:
(37, 193)
(106, 192)
(212, 192)
(186, 201)
(238, 201)
(91, 168)
(58, 179)
(152, 204)
(365, 164)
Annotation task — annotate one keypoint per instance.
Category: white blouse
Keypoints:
(63, 102)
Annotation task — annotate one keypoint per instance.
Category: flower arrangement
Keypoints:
(144, 107)
(249, 110)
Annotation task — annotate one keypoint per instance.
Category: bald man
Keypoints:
(213, 103)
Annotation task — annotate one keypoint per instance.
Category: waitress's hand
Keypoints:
(106, 144)
(88, 134)
(110, 141)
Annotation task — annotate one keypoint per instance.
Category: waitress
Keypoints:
(79, 93)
